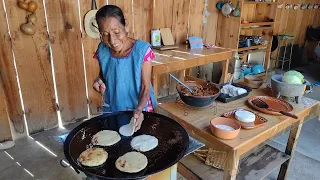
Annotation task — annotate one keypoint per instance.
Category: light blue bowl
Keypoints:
(257, 69)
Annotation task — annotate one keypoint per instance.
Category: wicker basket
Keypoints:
(212, 157)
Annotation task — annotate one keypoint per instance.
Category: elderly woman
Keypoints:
(125, 67)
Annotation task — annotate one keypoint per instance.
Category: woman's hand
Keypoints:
(99, 86)
(138, 115)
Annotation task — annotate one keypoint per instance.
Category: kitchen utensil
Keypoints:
(219, 5)
(261, 104)
(304, 6)
(230, 78)
(236, 12)
(248, 42)
(237, 73)
(199, 101)
(273, 103)
(253, 81)
(215, 123)
(280, 88)
(176, 79)
(259, 121)
(227, 8)
(256, 40)
(257, 69)
(173, 144)
(288, 6)
(246, 71)
(296, 6)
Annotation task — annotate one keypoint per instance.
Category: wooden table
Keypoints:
(184, 58)
(196, 121)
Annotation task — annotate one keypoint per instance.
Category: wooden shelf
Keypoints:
(257, 165)
(258, 28)
(253, 47)
(253, 2)
(247, 25)
(252, 51)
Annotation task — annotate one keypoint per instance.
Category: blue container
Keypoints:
(248, 42)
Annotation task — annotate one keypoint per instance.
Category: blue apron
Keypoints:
(123, 77)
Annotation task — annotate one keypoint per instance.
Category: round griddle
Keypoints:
(173, 143)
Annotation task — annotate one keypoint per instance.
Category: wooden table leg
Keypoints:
(188, 72)
(225, 66)
(231, 166)
(291, 146)
(187, 173)
(155, 85)
(266, 63)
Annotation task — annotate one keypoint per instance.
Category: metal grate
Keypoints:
(187, 107)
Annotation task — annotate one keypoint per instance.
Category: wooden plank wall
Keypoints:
(8, 77)
(60, 41)
(126, 7)
(295, 22)
(163, 18)
(5, 133)
(65, 40)
(71, 61)
(180, 16)
(142, 23)
(171, 14)
(91, 65)
(34, 68)
(227, 31)
(211, 72)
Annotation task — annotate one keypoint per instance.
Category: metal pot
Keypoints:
(227, 8)
(198, 101)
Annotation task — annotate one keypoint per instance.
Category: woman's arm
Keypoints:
(144, 92)
(99, 82)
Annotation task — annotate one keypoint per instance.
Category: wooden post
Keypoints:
(267, 62)
(291, 146)
(225, 66)
(188, 72)
(187, 173)
(231, 166)
(155, 84)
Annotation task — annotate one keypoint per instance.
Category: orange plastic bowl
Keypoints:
(222, 133)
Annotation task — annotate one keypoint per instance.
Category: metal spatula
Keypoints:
(261, 104)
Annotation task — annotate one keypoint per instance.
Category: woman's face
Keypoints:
(113, 33)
